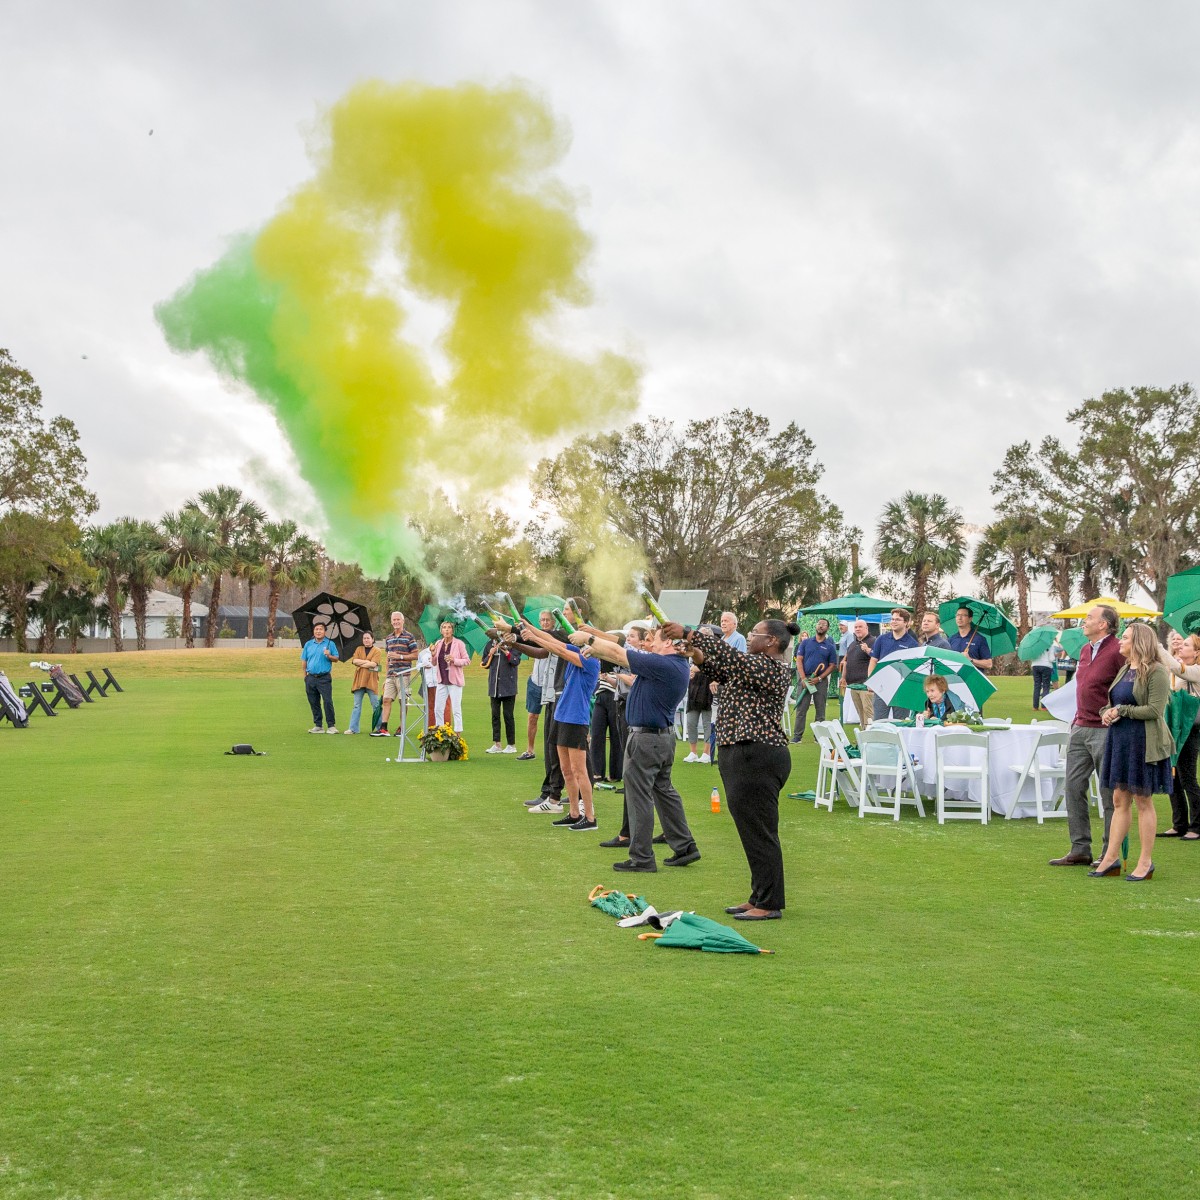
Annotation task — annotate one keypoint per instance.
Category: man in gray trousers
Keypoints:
(660, 683)
(1099, 662)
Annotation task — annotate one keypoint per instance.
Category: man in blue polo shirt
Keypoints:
(660, 682)
(967, 641)
(816, 660)
(888, 642)
(318, 655)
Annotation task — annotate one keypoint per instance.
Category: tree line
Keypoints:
(725, 503)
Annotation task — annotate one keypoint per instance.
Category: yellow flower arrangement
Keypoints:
(443, 737)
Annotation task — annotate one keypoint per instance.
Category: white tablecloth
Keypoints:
(1008, 747)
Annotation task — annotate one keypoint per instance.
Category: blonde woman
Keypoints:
(1183, 661)
(1138, 749)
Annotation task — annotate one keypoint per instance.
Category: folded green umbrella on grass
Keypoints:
(690, 932)
(616, 904)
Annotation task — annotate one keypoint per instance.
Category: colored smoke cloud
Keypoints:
(456, 185)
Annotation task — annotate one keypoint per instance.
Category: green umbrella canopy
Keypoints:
(899, 679)
(690, 932)
(1036, 642)
(856, 603)
(1000, 632)
(1071, 640)
(430, 622)
(1181, 608)
(534, 605)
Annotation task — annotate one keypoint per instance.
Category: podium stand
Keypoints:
(412, 725)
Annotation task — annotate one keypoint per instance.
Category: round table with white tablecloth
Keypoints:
(1009, 746)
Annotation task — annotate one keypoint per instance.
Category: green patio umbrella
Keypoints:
(433, 615)
(1181, 608)
(899, 679)
(535, 605)
(690, 932)
(1071, 640)
(856, 604)
(1036, 642)
(1000, 632)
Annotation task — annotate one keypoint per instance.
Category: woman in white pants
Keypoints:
(449, 658)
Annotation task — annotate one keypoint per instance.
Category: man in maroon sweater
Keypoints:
(1099, 662)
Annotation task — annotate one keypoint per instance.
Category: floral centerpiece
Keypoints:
(440, 743)
(962, 717)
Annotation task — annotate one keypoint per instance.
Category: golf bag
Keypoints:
(69, 692)
(10, 704)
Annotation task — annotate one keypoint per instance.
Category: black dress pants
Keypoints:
(505, 704)
(553, 782)
(754, 774)
(1185, 795)
(605, 721)
(319, 690)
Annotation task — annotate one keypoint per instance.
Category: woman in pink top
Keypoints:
(449, 658)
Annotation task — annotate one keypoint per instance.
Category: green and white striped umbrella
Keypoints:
(899, 679)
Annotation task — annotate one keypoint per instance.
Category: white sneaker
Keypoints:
(509, 750)
(492, 750)
(332, 729)
(705, 758)
(691, 758)
(316, 729)
(546, 806)
(351, 732)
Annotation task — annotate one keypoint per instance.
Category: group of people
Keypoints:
(622, 687)
(855, 655)
(1123, 688)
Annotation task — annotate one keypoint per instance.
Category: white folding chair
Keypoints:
(885, 757)
(833, 763)
(962, 808)
(997, 722)
(1036, 770)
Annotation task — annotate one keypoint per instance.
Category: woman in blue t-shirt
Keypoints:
(572, 720)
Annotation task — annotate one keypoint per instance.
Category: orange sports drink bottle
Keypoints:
(715, 801)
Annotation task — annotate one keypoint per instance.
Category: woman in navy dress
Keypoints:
(1137, 754)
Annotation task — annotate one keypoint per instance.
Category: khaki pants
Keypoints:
(864, 703)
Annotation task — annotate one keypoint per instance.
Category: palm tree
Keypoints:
(1002, 560)
(291, 561)
(189, 542)
(249, 563)
(920, 536)
(104, 552)
(232, 515)
(141, 552)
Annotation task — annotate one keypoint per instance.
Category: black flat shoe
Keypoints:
(737, 908)
(661, 840)
(1169, 833)
(773, 915)
(618, 843)
(629, 865)
(682, 860)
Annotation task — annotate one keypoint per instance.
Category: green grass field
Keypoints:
(317, 975)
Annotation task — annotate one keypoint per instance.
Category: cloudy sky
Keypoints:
(922, 230)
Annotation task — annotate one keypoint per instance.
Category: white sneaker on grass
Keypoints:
(509, 750)
(691, 757)
(492, 750)
(332, 729)
(704, 758)
(546, 806)
(316, 729)
(351, 732)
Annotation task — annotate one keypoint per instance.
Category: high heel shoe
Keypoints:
(1132, 878)
(1108, 872)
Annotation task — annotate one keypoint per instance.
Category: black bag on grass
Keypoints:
(246, 748)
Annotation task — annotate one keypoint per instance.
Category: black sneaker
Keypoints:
(382, 731)
(618, 842)
(629, 865)
(661, 840)
(584, 824)
(566, 820)
(682, 860)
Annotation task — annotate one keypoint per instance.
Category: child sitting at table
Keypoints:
(939, 702)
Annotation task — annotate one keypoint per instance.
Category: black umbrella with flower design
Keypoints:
(345, 621)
